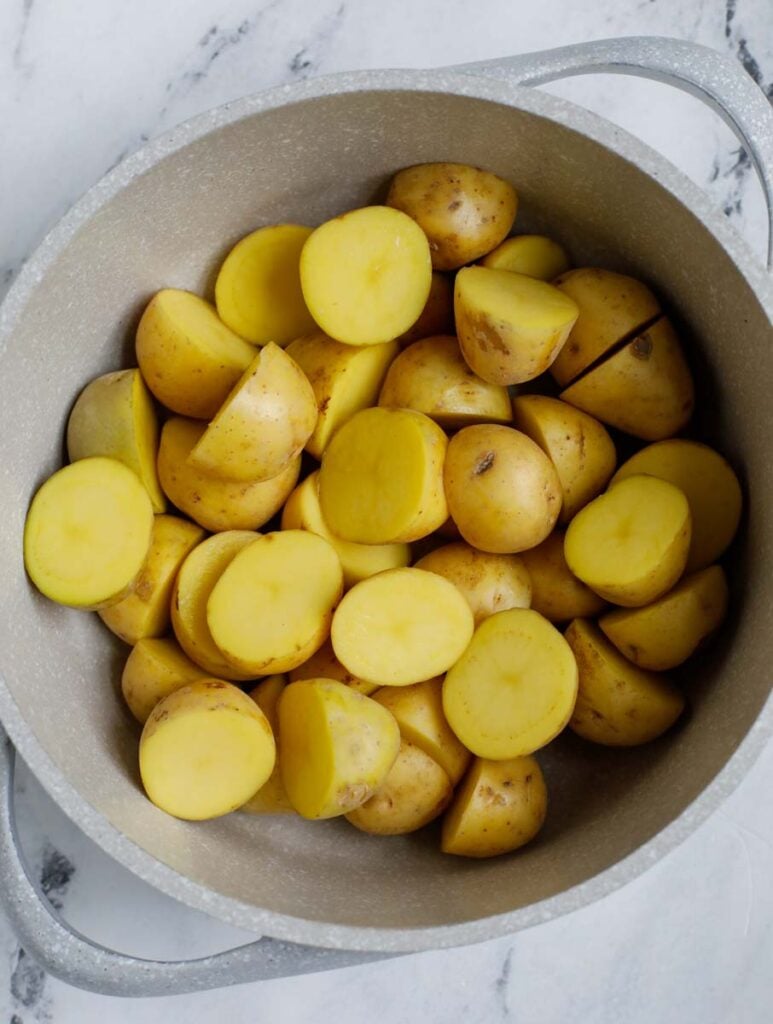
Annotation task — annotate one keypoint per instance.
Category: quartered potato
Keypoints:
(271, 798)
(489, 583)
(533, 255)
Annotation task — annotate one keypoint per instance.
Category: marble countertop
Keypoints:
(83, 83)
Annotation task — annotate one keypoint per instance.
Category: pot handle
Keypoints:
(719, 81)
(69, 956)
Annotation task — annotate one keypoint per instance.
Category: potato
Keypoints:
(630, 545)
(489, 583)
(500, 806)
(204, 751)
(415, 792)
(216, 504)
(87, 533)
(437, 317)
(663, 634)
(145, 611)
(263, 424)
(401, 627)
(711, 488)
(465, 212)
(366, 275)
(344, 378)
(503, 492)
(555, 592)
(579, 447)
(188, 357)
(114, 416)
(510, 326)
(418, 711)
(271, 608)
(336, 747)
(271, 798)
(195, 581)
(644, 389)
(323, 664)
(611, 307)
(533, 255)
(432, 377)
(381, 480)
(258, 290)
(155, 668)
(618, 704)
(513, 689)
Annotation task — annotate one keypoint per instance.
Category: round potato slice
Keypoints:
(323, 664)
(513, 690)
(204, 751)
(87, 533)
(155, 668)
(500, 806)
(401, 627)
(271, 798)
(533, 255)
(555, 592)
(437, 317)
(489, 583)
(272, 606)
(630, 545)
(366, 275)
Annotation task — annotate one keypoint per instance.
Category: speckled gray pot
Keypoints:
(165, 217)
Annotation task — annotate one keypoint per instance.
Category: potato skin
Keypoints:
(556, 592)
(490, 583)
(465, 212)
(437, 317)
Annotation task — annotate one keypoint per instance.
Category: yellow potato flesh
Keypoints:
(500, 806)
(271, 797)
(711, 488)
(630, 545)
(359, 561)
(618, 704)
(366, 275)
(216, 505)
(533, 255)
(665, 633)
(579, 447)
(263, 424)
(323, 664)
(145, 611)
(272, 606)
(87, 533)
(155, 668)
(344, 378)
(381, 480)
(415, 792)
(555, 592)
(258, 290)
(188, 357)
(513, 689)
(336, 747)
(195, 581)
(114, 416)
(437, 317)
(418, 711)
(401, 627)
(432, 377)
(489, 583)
(510, 326)
(205, 750)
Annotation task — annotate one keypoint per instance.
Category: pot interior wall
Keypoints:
(171, 227)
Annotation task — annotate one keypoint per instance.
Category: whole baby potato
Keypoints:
(465, 212)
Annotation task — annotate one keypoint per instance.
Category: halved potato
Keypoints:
(489, 583)
(271, 798)
(556, 592)
(533, 255)
(437, 317)
(155, 668)
(323, 664)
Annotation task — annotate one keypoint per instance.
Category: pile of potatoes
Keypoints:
(452, 570)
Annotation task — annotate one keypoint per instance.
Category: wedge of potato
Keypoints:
(437, 317)
(489, 583)
(323, 664)
(271, 798)
(556, 592)
(156, 667)
(533, 255)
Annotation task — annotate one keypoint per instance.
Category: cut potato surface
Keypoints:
(323, 664)
(205, 750)
(711, 488)
(114, 416)
(87, 533)
(263, 424)
(618, 704)
(437, 317)
(513, 690)
(533, 255)
(271, 798)
(366, 275)
(336, 747)
(271, 608)
(630, 545)
(155, 668)
(381, 480)
(401, 627)
(189, 358)
(556, 592)
(258, 290)
(489, 583)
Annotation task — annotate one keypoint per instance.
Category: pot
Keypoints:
(324, 895)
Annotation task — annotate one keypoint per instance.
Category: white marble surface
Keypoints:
(82, 83)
